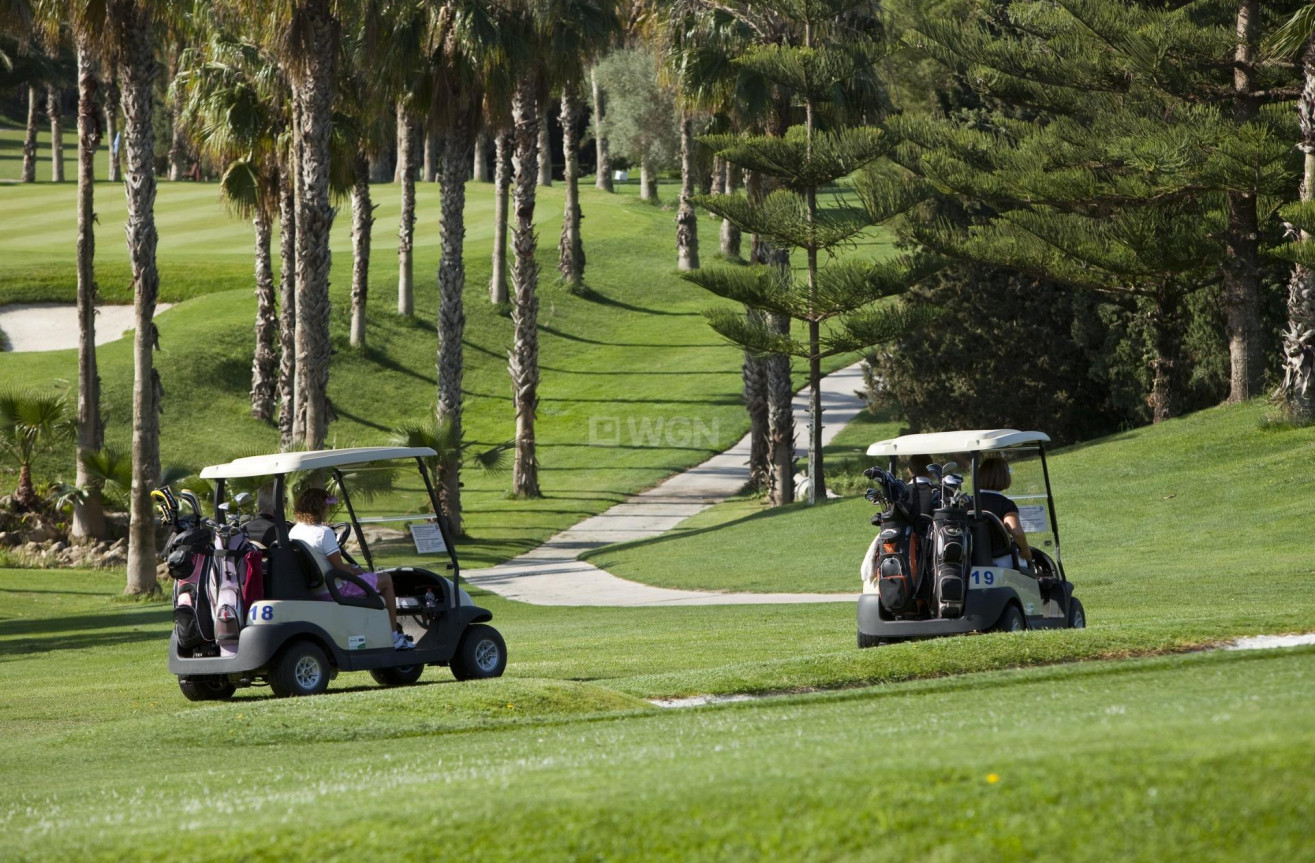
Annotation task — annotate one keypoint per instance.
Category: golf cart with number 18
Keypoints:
(303, 626)
(943, 565)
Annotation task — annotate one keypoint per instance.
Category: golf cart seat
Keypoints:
(331, 577)
(989, 536)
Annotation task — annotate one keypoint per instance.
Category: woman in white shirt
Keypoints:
(310, 509)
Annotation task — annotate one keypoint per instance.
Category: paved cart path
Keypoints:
(552, 575)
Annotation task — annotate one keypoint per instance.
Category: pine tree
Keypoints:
(823, 52)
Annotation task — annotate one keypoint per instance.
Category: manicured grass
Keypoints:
(1201, 756)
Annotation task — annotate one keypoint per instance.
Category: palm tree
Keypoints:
(404, 67)
(1298, 35)
(29, 174)
(524, 357)
(234, 99)
(503, 144)
(130, 32)
(29, 421)
(603, 170)
(55, 110)
(406, 168)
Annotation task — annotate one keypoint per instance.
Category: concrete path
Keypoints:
(551, 574)
(54, 326)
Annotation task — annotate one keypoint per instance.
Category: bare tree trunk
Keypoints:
(1242, 265)
(88, 513)
(406, 229)
(687, 221)
(754, 375)
(114, 169)
(570, 250)
(603, 172)
(479, 171)
(502, 191)
(287, 305)
(313, 91)
(451, 312)
(1299, 337)
(362, 225)
(647, 182)
(730, 234)
(1166, 338)
(29, 174)
(137, 70)
(431, 143)
(265, 362)
(524, 354)
(545, 152)
(56, 112)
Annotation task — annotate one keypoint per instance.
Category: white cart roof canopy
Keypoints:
(947, 443)
(287, 462)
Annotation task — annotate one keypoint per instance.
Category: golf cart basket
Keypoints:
(930, 571)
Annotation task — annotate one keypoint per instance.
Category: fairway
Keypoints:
(1201, 757)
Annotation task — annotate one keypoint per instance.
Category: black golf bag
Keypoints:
(901, 549)
(188, 554)
(951, 544)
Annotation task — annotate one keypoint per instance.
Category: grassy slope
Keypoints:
(636, 350)
(1203, 756)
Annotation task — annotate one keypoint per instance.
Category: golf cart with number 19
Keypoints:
(305, 626)
(943, 565)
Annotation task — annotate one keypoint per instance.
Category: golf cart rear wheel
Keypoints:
(207, 688)
(1010, 621)
(301, 670)
(865, 640)
(481, 654)
(402, 675)
(1077, 615)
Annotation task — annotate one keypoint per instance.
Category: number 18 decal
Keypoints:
(262, 612)
(982, 578)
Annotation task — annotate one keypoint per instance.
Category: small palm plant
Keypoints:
(112, 469)
(30, 422)
(440, 436)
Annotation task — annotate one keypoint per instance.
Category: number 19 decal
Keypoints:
(982, 578)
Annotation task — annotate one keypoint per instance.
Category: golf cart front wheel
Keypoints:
(402, 675)
(1010, 621)
(1077, 615)
(207, 687)
(301, 670)
(481, 654)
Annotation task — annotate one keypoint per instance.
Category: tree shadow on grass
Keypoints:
(80, 632)
(600, 299)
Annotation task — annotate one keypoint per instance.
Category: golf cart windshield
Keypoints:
(1027, 489)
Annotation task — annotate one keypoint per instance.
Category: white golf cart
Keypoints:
(294, 637)
(942, 565)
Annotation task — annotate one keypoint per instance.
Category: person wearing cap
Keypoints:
(310, 509)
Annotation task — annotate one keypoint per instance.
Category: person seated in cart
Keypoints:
(994, 476)
(310, 509)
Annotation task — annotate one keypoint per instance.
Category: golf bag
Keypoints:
(236, 580)
(188, 553)
(900, 549)
(951, 541)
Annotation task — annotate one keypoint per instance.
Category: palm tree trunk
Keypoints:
(570, 250)
(177, 141)
(29, 174)
(56, 112)
(287, 306)
(265, 362)
(1242, 290)
(313, 91)
(362, 225)
(137, 74)
(451, 313)
(429, 170)
(406, 168)
(524, 356)
(545, 153)
(502, 191)
(730, 234)
(687, 223)
(754, 375)
(114, 169)
(88, 513)
(479, 171)
(647, 182)
(603, 172)
(1299, 337)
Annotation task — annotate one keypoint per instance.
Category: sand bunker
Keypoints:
(54, 326)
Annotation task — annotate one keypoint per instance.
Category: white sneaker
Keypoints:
(402, 642)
